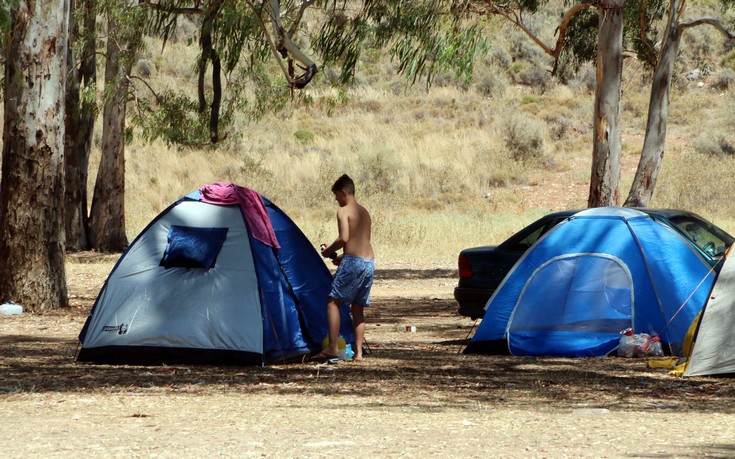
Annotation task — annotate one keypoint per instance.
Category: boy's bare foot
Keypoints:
(358, 358)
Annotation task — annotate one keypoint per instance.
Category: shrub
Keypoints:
(713, 144)
(145, 68)
(529, 99)
(491, 84)
(729, 60)
(535, 76)
(561, 126)
(304, 136)
(501, 58)
(524, 137)
(725, 79)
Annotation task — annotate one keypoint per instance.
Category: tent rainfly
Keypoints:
(221, 276)
(713, 346)
(593, 275)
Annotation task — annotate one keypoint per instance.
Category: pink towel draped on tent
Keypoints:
(251, 204)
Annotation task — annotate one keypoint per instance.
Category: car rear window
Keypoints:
(712, 240)
(535, 235)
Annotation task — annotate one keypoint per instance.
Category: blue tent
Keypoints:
(595, 274)
(196, 287)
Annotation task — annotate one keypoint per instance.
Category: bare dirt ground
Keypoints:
(415, 394)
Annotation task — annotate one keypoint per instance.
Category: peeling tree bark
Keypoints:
(605, 176)
(32, 270)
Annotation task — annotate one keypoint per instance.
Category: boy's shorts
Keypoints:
(353, 280)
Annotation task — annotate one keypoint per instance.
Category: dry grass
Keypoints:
(439, 170)
(434, 168)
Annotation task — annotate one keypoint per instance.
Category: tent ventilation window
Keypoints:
(190, 247)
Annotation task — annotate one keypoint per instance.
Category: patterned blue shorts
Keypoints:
(353, 280)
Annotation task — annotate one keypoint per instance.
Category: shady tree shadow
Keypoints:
(424, 370)
(407, 274)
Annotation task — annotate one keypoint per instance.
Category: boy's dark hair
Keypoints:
(344, 183)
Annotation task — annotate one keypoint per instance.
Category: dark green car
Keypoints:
(482, 269)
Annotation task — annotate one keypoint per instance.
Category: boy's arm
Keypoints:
(343, 227)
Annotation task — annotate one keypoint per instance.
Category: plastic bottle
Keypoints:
(324, 246)
(10, 308)
(656, 348)
(349, 353)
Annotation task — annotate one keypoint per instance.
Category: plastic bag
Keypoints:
(637, 344)
(626, 345)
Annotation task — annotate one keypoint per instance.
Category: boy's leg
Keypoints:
(333, 323)
(358, 320)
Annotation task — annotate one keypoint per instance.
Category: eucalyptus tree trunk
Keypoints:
(107, 214)
(32, 269)
(605, 177)
(641, 190)
(80, 117)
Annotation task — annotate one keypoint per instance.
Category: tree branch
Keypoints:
(175, 10)
(285, 48)
(708, 21)
(305, 4)
(491, 7)
(643, 36)
(268, 37)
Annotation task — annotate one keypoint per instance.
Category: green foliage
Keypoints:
(272, 94)
(435, 48)
(236, 32)
(642, 41)
(88, 98)
(580, 42)
(529, 99)
(425, 38)
(5, 23)
(304, 136)
(339, 42)
(174, 119)
(5, 19)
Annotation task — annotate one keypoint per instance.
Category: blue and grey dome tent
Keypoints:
(595, 274)
(197, 287)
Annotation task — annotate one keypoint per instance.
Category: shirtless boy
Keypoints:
(356, 268)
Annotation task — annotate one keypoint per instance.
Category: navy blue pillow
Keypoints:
(190, 247)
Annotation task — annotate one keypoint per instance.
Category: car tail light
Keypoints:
(465, 269)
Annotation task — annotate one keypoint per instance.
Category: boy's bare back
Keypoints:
(355, 226)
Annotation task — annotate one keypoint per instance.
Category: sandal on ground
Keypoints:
(321, 357)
